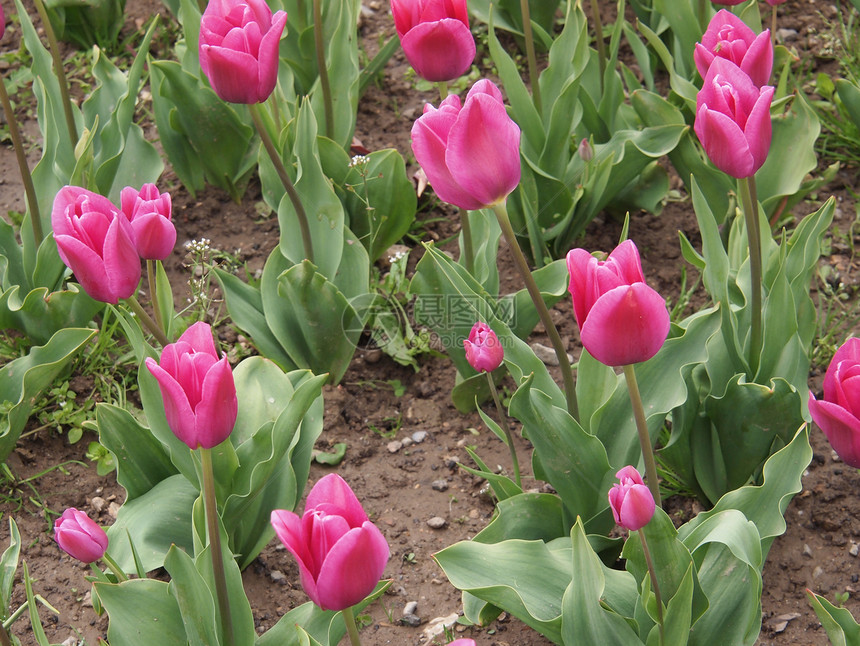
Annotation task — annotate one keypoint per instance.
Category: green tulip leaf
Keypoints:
(841, 627)
(193, 597)
(142, 607)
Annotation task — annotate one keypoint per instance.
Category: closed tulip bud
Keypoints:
(149, 213)
(585, 151)
(729, 37)
(97, 243)
(733, 119)
(435, 37)
(341, 554)
(630, 500)
(484, 352)
(621, 319)
(462, 642)
(838, 413)
(471, 154)
(239, 42)
(197, 387)
(79, 536)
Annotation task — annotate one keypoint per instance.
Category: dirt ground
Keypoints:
(401, 490)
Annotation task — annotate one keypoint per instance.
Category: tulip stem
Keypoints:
(114, 567)
(215, 545)
(750, 202)
(654, 585)
(443, 89)
(468, 246)
(147, 321)
(598, 38)
(530, 55)
(58, 70)
(506, 429)
(153, 291)
(773, 25)
(351, 628)
(21, 156)
(703, 14)
(642, 429)
(323, 71)
(269, 145)
(501, 212)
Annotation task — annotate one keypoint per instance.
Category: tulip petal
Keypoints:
(483, 150)
(177, 410)
(352, 567)
(439, 51)
(758, 60)
(154, 236)
(228, 73)
(582, 289)
(626, 325)
(626, 263)
(199, 337)
(267, 56)
(429, 151)
(841, 428)
(332, 492)
(121, 266)
(758, 128)
(724, 142)
(288, 527)
(218, 408)
(637, 507)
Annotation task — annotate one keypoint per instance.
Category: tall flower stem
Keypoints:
(530, 55)
(153, 290)
(642, 429)
(598, 37)
(215, 545)
(58, 70)
(115, 568)
(773, 25)
(351, 628)
(654, 585)
(750, 202)
(20, 155)
(147, 321)
(506, 429)
(323, 71)
(501, 212)
(275, 156)
(703, 14)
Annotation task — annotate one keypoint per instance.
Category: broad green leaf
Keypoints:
(142, 610)
(141, 460)
(193, 598)
(263, 390)
(585, 619)
(41, 313)
(24, 378)
(156, 520)
(8, 567)
(527, 516)
(841, 627)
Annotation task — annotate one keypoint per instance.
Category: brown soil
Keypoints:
(396, 488)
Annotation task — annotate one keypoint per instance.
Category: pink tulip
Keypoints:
(729, 37)
(462, 642)
(471, 154)
(435, 37)
(239, 42)
(96, 243)
(198, 389)
(149, 213)
(341, 554)
(773, 3)
(631, 501)
(727, 3)
(838, 414)
(733, 119)
(79, 536)
(484, 352)
(621, 319)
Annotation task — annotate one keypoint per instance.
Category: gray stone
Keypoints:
(413, 621)
(437, 522)
(419, 436)
(440, 485)
(394, 446)
(547, 355)
(410, 608)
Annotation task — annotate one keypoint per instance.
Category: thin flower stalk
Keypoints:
(506, 429)
(58, 70)
(642, 429)
(654, 585)
(530, 55)
(750, 205)
(215, 545)
(323, 71)
(146, 319)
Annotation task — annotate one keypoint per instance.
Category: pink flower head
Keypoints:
(435, 37)
(631, 501)
(96, 243)
(621, 319)
(462, 642)
(484, 352)
(733, 119)
(838, 414)
(149, 213)
(727, 3)
(79, 536)
(239, 42)
(471, 155)
(197, 387)
(341, 554)
(729, 37)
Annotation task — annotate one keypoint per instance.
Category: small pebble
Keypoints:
(277, 576)
(413, 621)
(854, 549)
(419, 436)
(437, 522)
(98, 503)
(547, 355)
(407, 441)
(394, 446)
(113, 509)
(817, 572)
(410, 608)
(373, 356)
(807, 551)
(442, 485)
